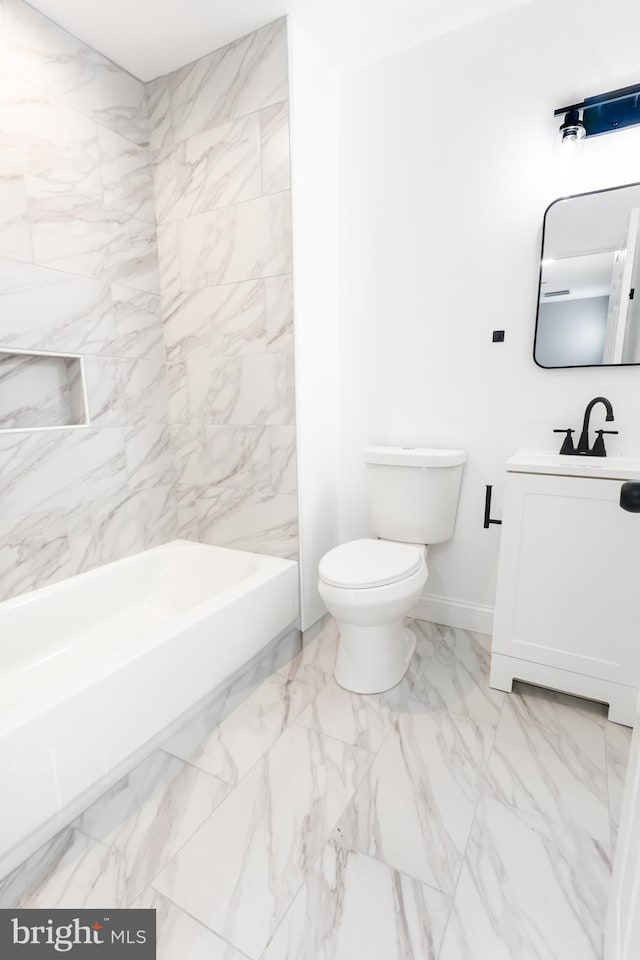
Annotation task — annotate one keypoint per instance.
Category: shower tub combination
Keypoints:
(97, 669)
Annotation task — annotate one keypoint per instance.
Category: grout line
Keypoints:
(204, 926)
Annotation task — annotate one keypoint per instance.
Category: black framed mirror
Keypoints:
(589, 291)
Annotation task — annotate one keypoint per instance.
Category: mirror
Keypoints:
(589, 294)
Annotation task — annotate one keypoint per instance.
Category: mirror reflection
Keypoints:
(588, 309)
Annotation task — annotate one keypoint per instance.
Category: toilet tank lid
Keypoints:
(415, 456)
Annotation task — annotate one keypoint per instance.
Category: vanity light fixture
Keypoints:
(604, 113)
(572, 128)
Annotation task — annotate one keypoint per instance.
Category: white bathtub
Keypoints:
(94, 668)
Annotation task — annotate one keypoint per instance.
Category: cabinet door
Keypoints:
(569, 577)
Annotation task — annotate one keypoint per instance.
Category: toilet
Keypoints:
(370, 585)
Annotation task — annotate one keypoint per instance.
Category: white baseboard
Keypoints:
(313, 609)
(455, 613)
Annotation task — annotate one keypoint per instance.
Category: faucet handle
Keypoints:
(598, 447)
(567, 444)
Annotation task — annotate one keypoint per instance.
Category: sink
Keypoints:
(613, 468)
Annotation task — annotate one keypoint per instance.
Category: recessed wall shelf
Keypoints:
(41, 391)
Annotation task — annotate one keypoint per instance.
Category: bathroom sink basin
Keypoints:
(613, 468)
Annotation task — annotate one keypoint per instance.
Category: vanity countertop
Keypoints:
(610, 468)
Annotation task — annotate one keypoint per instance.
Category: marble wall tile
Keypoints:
(279, 307)
(242, 242)
(109, 527)
(169, 269)
(41, 52)
(80, 235)
(126, 392)
(76, 197)
(41, 137)
(187, 511)
(233, 81)
(45, 309)
(212, 169)
(274, 141)
(404, 918)
(283, 459)
(159, 110)
(254, 850)
(178, 393)
(157, 507)
(220, 144)
(246, 520)
(34, 552)
(216, 322)
(15, 233)
(254, 389)
(148, 453)
(234, 458)
(59, 469)
(137, 324)
(126, 176)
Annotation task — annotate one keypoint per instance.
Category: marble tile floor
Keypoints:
(442, 820)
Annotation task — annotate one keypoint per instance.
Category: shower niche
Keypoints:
(41, 391)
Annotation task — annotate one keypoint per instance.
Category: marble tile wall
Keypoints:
(220, 143)
(79, 274)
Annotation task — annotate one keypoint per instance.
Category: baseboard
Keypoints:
(313, 609)
(455, 613)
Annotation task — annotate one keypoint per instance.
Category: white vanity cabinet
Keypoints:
(567, 610)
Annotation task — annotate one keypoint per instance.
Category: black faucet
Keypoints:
(598, 449)
(582, 450)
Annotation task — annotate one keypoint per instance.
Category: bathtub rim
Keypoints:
(46, 696)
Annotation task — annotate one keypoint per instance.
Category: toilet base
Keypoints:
(373, 659)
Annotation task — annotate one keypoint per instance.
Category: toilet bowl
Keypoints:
(369, 586)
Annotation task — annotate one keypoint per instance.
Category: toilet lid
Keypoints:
(369, 563)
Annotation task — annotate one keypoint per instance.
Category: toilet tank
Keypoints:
(413, 492)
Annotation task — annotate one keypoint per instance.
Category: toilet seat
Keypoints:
(363, 564)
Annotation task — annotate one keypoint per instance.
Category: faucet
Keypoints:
(598, 449)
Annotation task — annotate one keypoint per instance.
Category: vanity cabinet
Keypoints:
(567, 610)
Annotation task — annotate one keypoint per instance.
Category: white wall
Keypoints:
(449, 157)
(314, 182)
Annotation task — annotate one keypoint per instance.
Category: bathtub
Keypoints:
(95, 669)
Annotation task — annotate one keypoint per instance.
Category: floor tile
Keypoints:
(455, 679)
(529, 890)
(363, 721)
(233, 746)
(352, 907)
(315, 663)
(179, 935)
(415, 807)
(549, 757)
(240, 872)
(64, 873)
